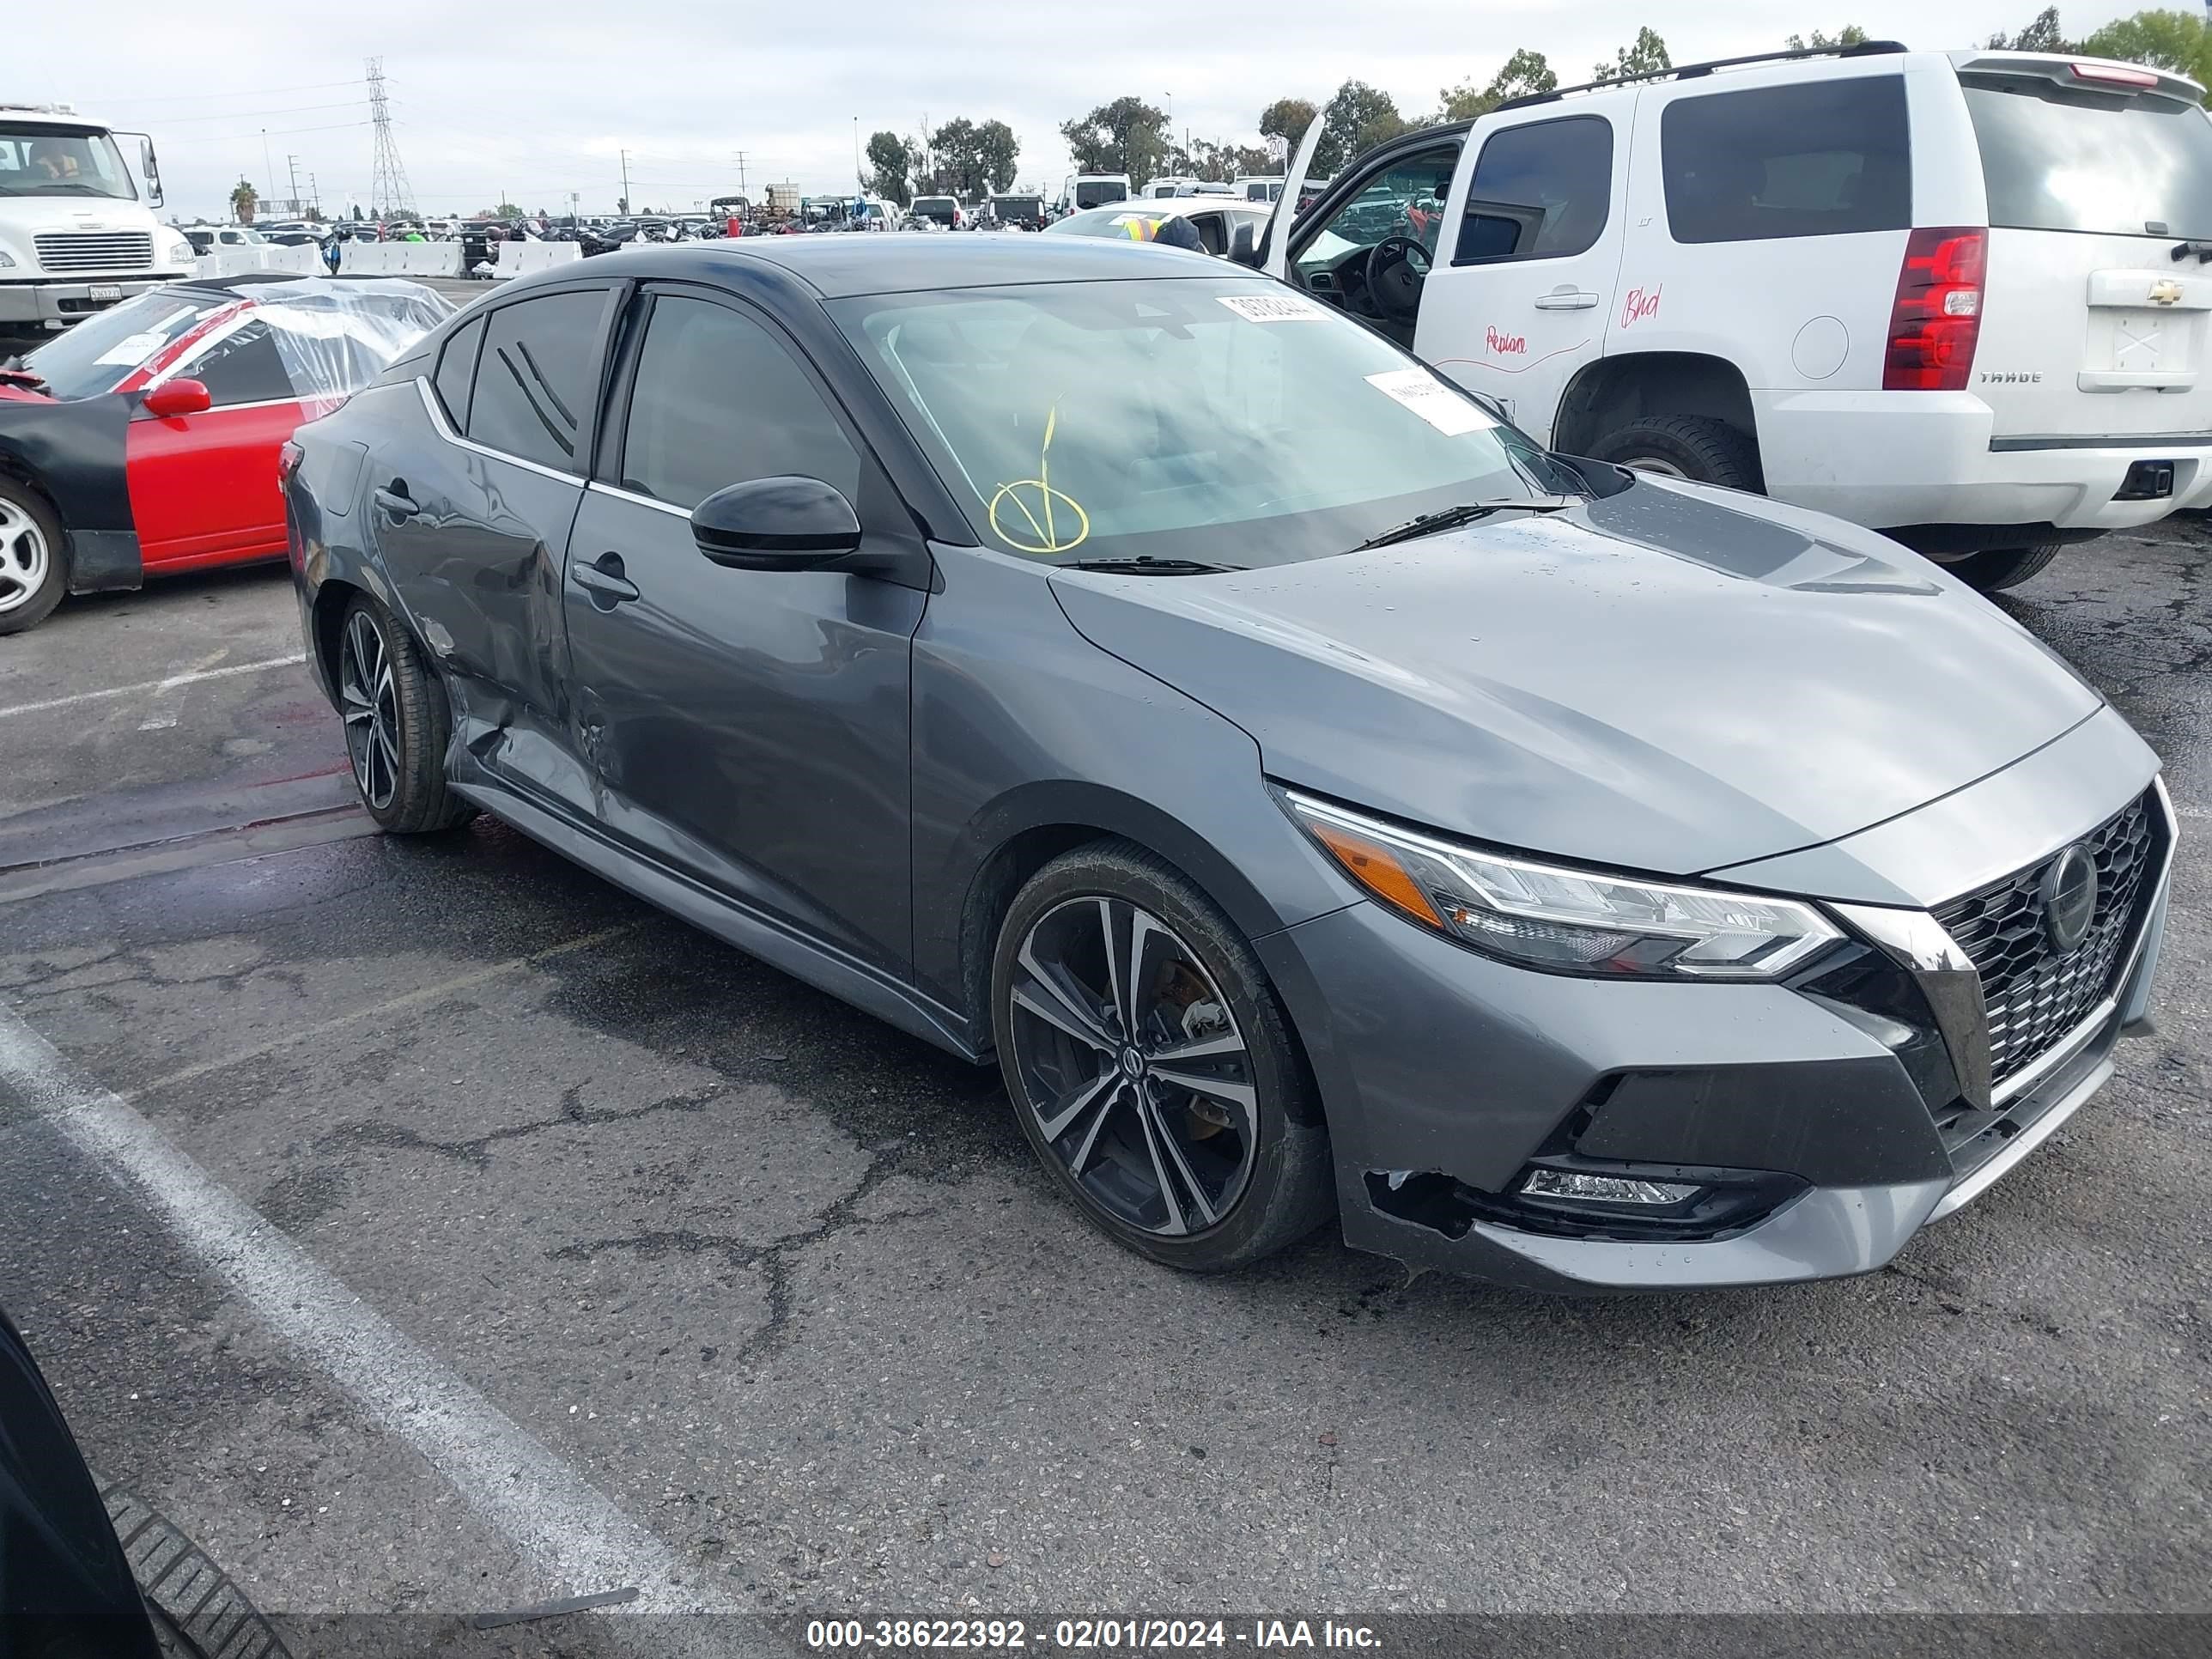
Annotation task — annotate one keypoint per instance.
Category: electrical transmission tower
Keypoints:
(390, 195)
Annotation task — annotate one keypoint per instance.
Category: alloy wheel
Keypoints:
(1133, 1068)
(1656, 466)
(371, 701)
(24, 556)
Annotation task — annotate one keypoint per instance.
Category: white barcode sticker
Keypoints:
(1428, 398)
(1272, 307)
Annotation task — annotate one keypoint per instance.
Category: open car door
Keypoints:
(1275, 244)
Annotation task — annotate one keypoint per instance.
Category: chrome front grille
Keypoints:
(2034, 994)
(88, 249)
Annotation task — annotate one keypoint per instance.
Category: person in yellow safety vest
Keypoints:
(1169, 228)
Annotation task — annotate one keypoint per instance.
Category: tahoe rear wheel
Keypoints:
(1151, 1066)
(396, 724)
(1995, 568)
(33, 559)
(1697, 447)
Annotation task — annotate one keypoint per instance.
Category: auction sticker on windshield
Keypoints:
(1272, 307)
(1431, 399)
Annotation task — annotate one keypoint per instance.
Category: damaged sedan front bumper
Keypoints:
(1600, 1135)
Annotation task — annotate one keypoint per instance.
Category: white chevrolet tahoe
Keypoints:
(1960, 297)
(75, 237)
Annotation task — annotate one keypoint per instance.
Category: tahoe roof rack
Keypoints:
(1693, 71)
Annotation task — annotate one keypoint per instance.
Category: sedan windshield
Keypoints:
(98, 352)
(1217, 421)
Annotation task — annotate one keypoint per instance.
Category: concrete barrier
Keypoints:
(400, 259)
(371, 258)
(432, 259)
(244, 261)
(305, 260)
(522, 259)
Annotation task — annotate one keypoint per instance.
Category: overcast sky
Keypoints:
(538, 99)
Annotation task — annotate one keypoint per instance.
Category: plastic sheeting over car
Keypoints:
(335, 336)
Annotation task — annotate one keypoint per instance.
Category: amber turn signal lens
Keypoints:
(1376, 869)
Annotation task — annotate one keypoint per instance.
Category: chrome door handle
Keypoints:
(605, 580)
(1565, 299)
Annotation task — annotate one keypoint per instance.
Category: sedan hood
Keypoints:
(1670, 679)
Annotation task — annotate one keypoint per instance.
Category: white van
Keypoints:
(75, 236)
(1960, 297)
(1090, 189)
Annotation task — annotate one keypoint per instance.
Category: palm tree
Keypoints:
(243, 200)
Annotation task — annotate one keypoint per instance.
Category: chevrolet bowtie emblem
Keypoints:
(2166, 292)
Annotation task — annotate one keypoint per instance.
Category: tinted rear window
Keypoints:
(1824, 158)
(1098, 195)
(2060, 159)
(534, 388)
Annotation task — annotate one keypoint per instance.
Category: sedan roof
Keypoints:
(838, 267)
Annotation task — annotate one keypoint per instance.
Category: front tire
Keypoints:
(1696, 447)
(33, 558)
(1152, 1065)
(397, 725)
(1995, 568)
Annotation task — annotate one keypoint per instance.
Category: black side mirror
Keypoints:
(1244, 245)
(776, 523)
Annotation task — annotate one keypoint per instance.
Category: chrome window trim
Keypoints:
(630, 495)
(445, 430)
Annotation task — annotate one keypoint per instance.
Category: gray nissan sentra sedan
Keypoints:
(1315, 798)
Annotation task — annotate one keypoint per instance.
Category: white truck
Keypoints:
(75, 235)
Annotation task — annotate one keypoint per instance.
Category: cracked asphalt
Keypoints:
(786, 1287)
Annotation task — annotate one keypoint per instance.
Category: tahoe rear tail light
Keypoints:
(288, 460)
(1937, 318)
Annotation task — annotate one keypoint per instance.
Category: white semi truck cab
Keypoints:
(75, 235)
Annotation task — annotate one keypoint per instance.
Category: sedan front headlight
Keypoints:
(1561, 920)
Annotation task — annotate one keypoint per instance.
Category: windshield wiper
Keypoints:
(1147, 566)
(1451, 518)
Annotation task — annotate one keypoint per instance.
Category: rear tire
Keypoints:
(397, 725)
(1995, 568)
(1130, 1013)
(1697, 447)
(35, 563)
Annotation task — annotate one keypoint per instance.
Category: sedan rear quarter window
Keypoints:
(457, 368)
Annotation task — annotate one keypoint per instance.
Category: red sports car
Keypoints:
(145, 439)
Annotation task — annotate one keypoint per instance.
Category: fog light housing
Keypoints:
(1574, 1186)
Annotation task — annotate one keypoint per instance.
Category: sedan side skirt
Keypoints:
(774, 942)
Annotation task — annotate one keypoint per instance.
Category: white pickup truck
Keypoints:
(76, 237)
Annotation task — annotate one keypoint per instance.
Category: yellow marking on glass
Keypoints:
(1047, 534)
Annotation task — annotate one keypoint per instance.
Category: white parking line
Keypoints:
(567, 1530)
(169, 684)
(161, 712)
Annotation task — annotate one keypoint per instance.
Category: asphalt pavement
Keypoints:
(430, 1227)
